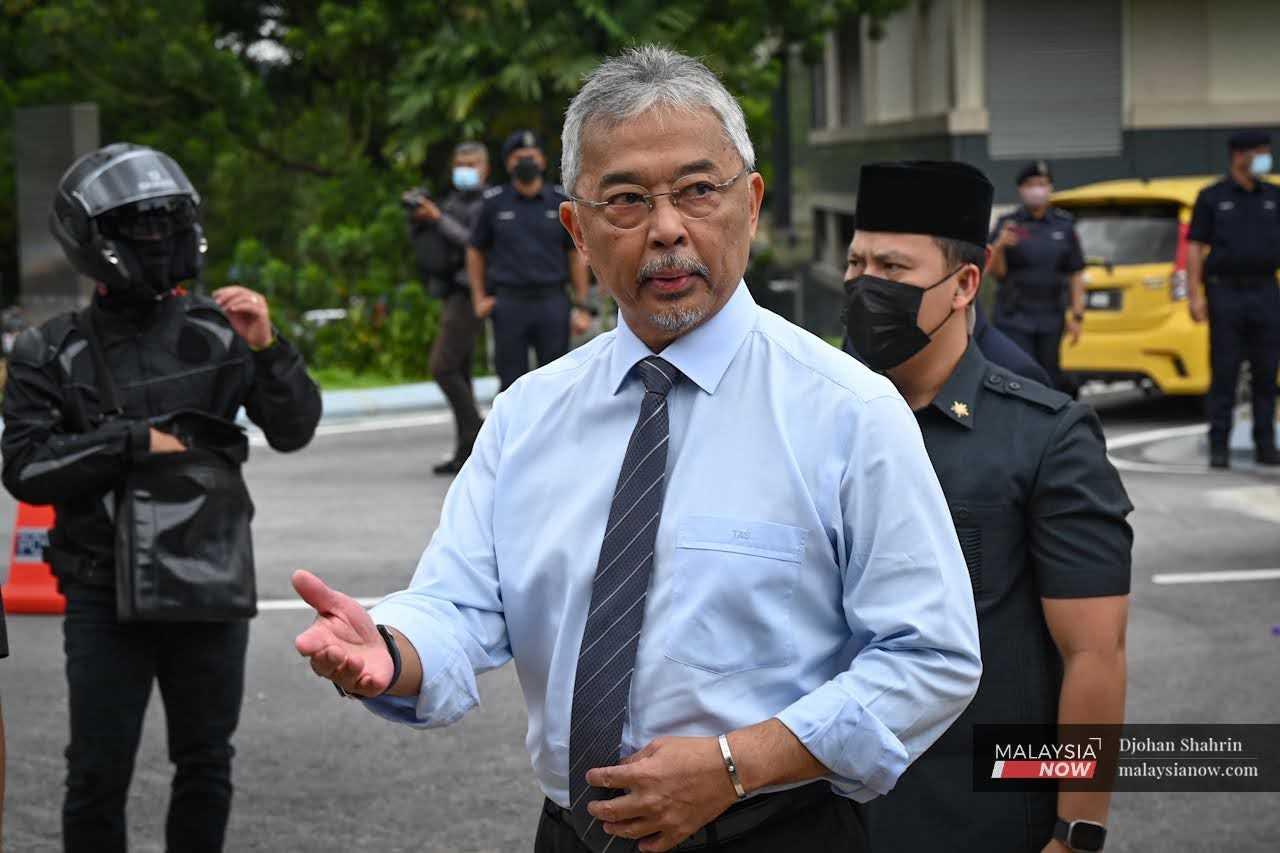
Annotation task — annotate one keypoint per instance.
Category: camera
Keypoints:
(411, 199)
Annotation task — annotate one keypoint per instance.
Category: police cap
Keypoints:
(519, 139)
(1034, 169)
(1244, 140)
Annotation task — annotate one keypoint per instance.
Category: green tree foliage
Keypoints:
(301, 122)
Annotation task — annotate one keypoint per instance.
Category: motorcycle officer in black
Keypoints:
(127, 217)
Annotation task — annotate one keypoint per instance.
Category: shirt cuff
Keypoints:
(865, 758)
(448, 681)
(139, 439)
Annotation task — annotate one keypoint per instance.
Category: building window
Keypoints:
(821, 244)
(849, 62)
(818, 96)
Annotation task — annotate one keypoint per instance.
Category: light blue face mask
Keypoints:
(466, 177)
(1261, 163)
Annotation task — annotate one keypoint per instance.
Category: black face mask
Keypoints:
(882, 319)
(527, 170)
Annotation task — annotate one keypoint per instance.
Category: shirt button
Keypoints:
(962, 512)
(994, 379)
(1014, 386)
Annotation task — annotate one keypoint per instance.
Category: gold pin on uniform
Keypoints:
(960, 409)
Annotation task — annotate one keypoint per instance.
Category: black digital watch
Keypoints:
(1082, 835)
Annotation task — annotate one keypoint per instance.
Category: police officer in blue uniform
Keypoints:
(1039, 511)
(519, 261)
(1000, 349)
(1236, 222)
(1036, 257)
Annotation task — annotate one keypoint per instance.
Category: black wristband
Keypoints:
(394, 651)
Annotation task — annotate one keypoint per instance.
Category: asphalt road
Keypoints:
(320, 774)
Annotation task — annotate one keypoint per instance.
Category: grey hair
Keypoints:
(464, 148)
(637, 80)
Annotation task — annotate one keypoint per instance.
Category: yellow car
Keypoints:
(1137, 325)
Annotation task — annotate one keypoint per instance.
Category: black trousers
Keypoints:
(450, 364)
(830, 826)
(1044, 345)
(539, 320)
(1244, 325)
(110, 668)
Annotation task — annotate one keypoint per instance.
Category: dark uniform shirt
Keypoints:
(1039, 267)
(1241, 227)
(1000, 349)
(4, 636)
(522, 238)
(1040, 513)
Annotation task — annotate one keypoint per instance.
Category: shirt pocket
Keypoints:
(990, 536)
(731, 602)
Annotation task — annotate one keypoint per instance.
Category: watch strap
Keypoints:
(393, 650)
(1065, 831)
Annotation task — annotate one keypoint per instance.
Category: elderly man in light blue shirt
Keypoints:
(712, 544)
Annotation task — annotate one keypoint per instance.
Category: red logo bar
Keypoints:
(1044, 769)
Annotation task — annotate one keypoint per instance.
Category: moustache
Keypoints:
(667, 263)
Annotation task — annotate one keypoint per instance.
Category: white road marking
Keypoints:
(299, 604)
(1138, 439)
(257, 439)
(1262, 502)
(1217, 577)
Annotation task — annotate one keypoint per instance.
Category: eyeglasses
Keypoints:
(694, 196)
(152, 219)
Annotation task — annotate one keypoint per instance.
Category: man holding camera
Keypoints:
(439, 234)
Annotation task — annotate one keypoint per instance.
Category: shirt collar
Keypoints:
(958, 399)
(703, 355)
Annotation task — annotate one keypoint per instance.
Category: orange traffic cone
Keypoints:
(31, 587)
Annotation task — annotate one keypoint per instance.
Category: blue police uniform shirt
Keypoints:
(1000, 349)
(1241, 228)
(1039, 268)
(522, 239)
(806, 567)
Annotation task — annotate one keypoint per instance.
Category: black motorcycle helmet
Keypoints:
(128, 217)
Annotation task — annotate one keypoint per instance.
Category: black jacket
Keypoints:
(183, 355)
(440, 248)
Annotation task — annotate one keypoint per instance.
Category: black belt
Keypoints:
(1242, 282)
(739, 818)
(530, 291)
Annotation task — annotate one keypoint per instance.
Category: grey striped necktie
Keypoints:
(608, 653)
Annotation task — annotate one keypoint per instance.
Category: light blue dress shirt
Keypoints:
(806, 567)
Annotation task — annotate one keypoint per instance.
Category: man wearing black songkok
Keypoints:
(1039, 511)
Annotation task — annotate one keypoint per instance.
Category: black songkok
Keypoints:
(938, 198)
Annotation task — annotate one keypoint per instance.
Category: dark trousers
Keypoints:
(1244, 325)
(110, 667)
(523, 320)
(1044, 345)
(450, 364)
(830, 826)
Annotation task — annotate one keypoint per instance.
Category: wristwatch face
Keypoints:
(1086, 836)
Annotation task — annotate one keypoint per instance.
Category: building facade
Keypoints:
(1101, 89)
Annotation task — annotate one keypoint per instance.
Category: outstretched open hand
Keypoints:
(343, 644)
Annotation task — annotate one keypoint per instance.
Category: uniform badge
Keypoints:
(960, 410)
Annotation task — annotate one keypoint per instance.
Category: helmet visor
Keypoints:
(136, 176)
(149, 220)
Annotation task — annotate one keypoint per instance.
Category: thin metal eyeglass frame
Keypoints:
(649, 198)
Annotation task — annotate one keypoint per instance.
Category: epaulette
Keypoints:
(1012, 385)
(1062, 214)
(559, 188)
(494, 192)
